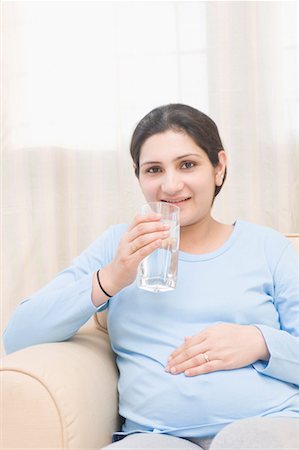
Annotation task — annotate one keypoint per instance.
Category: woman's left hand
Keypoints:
(223, 346)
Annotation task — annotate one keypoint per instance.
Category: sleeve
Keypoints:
(59, 309)
(283, 343)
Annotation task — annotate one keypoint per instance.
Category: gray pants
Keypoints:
(261, 433)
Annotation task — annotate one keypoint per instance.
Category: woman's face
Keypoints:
(174, 169)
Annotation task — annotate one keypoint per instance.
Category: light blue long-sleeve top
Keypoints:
(253, 279)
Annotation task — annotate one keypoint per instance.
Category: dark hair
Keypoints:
(180, 118)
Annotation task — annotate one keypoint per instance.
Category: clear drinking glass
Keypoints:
(158, 271)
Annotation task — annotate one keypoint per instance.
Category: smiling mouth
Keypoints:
(176, 201)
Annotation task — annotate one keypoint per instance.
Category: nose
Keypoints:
(171, 184)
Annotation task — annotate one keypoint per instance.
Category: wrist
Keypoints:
(263, 352)
(102, 291)
(107, 280)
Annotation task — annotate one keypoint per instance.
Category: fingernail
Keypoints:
(173, 370)
(166, 369)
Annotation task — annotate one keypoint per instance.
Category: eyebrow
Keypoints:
(176, 159)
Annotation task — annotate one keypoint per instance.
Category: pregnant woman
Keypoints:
(215, 362)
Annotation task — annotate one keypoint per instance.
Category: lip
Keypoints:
(176, 202)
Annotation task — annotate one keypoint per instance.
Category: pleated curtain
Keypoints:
(78, 76)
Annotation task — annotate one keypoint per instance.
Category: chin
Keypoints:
(186, 221)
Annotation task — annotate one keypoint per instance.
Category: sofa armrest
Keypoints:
(60, 395)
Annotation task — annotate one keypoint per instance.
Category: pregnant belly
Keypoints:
(156, 399)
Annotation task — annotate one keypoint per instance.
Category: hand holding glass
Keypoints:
(158, 271)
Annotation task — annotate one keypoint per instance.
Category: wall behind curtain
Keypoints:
(77, 76)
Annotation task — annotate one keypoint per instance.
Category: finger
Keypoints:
(143, 252)
(197, 360)
(211, 366)
(146, 239)
(138, 237)
(186, 354)
(143, 218)
(191, 341)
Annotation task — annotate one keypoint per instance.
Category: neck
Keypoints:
(199, 230)
(203, 236)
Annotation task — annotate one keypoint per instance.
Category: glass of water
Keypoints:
(158, 271)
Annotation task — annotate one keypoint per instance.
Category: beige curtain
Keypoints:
(77, 76)
(253, 72)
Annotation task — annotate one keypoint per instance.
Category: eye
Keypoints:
(153, 169)
(188, 164)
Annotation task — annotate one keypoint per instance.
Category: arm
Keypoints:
(283, 344)
(271, 351)
(58, 310)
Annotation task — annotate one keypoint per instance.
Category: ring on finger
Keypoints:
(206, 358)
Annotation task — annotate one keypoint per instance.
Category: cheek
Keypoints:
(203, 185)
(148, 185)
(197, 182)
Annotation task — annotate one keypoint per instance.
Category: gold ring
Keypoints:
(206, 357)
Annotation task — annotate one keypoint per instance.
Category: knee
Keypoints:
(258, 433)
(233, 436)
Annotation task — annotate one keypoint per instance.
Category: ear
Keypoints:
(220, 168)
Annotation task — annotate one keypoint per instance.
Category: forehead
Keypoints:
(167, 146)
